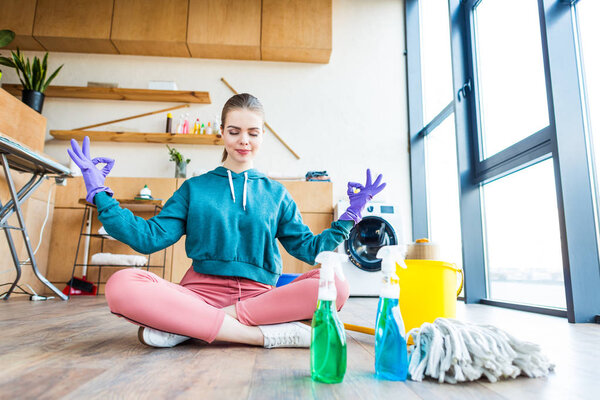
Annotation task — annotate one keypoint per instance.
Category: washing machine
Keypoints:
(381, 226)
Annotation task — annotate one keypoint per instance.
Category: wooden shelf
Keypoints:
(83, 92)
(137, 137)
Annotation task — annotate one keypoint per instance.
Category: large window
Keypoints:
(506, 169)
(512, 91)
(438, 131)
(523, 238)
(589, 32)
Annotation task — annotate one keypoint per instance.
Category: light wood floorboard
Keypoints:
(77, 349)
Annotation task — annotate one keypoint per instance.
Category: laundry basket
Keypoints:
(428, 290)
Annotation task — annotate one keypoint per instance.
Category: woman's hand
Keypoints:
(92, 176)
(359, 195)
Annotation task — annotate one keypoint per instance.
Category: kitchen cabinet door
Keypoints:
(227, 29)
(79, 26)
(18, 16)
(150, 27)
(317, 222)
(296, 30)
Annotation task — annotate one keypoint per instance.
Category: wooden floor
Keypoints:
(77, 349)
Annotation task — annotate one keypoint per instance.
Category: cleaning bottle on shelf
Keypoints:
(391, 358)
(217, 127)
(209, 130)
(180, 125)
(196, 126)
(328, 339)
(186, 123)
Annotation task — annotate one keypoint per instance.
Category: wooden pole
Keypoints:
(133, 117)
(267, 125)
(361, 329)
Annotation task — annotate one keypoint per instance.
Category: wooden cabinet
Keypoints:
(228, 29)
(68, 214)
(80, 26)
(296, 30)
(21, 122)
(314, 199)
(274, 30)
(150, 27)
(18, 16)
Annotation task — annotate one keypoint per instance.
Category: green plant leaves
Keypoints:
(6, 36)
(176, 156)
(31, 74)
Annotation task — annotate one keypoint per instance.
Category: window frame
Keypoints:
(566, 132)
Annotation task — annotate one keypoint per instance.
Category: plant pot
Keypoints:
(181, 170)
(33, 99)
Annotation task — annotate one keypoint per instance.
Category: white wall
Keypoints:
(341, 117)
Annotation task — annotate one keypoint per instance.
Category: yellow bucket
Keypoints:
(428, 290)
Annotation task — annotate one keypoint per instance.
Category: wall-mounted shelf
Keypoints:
(83, 92)
(137, 137)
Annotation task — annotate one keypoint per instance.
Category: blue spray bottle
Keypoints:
(391, 358)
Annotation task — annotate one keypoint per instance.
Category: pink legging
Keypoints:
(194, 307)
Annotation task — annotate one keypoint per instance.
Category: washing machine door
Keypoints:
(366, 238)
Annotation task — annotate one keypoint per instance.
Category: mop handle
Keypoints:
(361, 329)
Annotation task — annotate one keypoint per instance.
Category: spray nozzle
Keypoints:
(331, 262)
(390, 256)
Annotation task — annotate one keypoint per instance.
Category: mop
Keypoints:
(452, 351)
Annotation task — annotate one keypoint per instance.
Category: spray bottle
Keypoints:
(328, 340)
(391, 359)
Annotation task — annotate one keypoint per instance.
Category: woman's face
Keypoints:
(242, 134)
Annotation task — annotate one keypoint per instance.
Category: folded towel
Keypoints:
(119, 259)
(103, 232)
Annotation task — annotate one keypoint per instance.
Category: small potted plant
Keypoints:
(6, 36)
(180, 163)
(32, 76)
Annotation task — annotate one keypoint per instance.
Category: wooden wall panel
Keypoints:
(228, 29)
(311, 197)
(150, 27)
(18, 16)
(317, 222)
(81, 26)
(34, 213)
(296, 30)
(20, 122)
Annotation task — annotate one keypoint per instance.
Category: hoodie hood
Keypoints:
(245, 175)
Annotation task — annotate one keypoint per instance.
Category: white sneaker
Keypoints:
(289, 334)
(155, 338)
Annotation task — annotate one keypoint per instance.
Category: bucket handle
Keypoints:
(462, 277)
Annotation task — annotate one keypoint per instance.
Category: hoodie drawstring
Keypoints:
(231, 185)
(244, 196)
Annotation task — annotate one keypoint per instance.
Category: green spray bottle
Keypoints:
(328, 338)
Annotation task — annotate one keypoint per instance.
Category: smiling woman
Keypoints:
(242, 119)
(228, 292)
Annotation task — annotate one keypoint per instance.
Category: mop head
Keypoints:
(452, 351)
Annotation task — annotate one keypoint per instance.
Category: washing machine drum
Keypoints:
(366, 238)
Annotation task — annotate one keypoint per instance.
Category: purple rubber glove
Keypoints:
(359, 196)
(92, 176)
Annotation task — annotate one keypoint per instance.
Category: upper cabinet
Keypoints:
(274, 30)
(18, 16)
(80, 26)
(296, 30)
(228, 29)
(151, 27)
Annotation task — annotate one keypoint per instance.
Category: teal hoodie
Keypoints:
(231, 222)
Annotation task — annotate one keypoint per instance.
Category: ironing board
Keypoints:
(17, 156)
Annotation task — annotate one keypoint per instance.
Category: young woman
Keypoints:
(232, 217)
